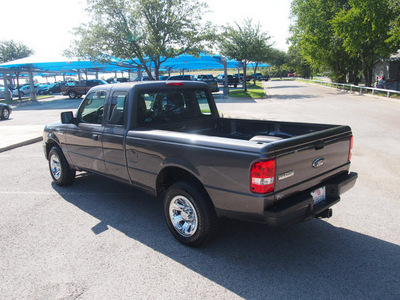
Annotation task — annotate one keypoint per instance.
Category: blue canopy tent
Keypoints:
(63, 65)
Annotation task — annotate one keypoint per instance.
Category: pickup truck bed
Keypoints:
(203, 166)
(236, 144)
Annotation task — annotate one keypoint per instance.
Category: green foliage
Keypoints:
(296, 62)
(395, 24)
(10, 50)
(245, 43)
(147, 31)
(346, 36)
(315, 38)
(278, 59)
(365, 30)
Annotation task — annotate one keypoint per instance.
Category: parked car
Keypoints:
(240, 76)
(117, 80)
(181, 77)
(79, 88)
(3, 93)
(231, 80)
(43, 89)
(26, 90)
(291, 75)
(257, 76)
(210, 80)
(265, 77)
(54, 88)
(5, 111)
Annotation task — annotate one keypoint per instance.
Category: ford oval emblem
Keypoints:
(319, 162)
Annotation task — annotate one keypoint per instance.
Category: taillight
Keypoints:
(351, 148)
(172, 83)
(262, 176)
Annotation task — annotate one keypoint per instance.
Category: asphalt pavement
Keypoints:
(99, 239)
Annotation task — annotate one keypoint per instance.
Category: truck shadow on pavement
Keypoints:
(305, 261)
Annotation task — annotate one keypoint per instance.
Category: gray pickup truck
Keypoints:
(168, 139)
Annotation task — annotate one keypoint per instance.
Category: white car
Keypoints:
(26, 90)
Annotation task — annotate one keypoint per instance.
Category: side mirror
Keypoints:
(67, 117)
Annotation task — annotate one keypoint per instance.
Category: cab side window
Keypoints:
(92, 108)
(117, 108)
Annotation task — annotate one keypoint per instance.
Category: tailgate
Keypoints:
(303, 161)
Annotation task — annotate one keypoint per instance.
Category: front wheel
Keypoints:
(60, 170)
(5, 113)
(190, 214)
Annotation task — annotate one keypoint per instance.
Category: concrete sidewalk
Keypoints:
(20, 135)
(29, 118)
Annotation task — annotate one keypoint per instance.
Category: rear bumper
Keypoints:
(300, 207)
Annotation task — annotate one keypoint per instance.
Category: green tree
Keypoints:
(278, 59)
(245, 43)
(10, 50)
(365, 29)
(148, 32)
(395, 24)
(316, 40)
(295, 61)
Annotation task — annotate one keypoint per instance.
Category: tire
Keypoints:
(72, 94)
(5, 113)
(190, 214)
(60, 170)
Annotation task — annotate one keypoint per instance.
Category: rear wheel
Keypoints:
(60, 170)
(190, 214)
(5, 113)
(72, 94)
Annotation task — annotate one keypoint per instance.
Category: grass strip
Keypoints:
(253, 91)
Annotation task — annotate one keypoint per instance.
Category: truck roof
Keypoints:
(152, 84)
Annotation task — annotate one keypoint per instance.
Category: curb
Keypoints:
(24, 143)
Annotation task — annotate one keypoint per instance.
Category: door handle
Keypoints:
(95, 137)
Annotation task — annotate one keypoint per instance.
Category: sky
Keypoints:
(46, 25)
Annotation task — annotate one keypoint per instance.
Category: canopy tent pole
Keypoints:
(6, 95)
(226, 89)
(32, 86)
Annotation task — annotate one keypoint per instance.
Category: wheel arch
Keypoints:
(52, 141)
(171, 174)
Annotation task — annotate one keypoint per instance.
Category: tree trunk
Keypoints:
(367, 71)
(244, 76)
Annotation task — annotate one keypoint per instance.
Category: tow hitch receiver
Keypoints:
(325, 214)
